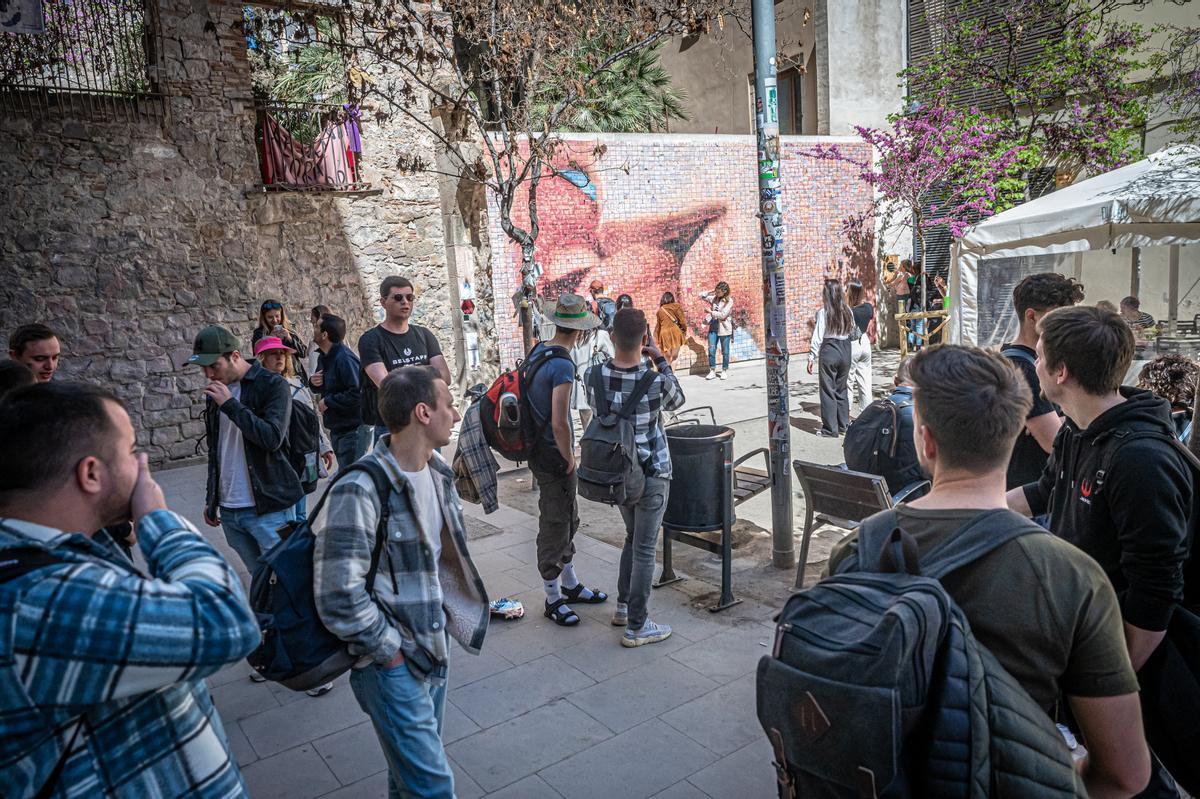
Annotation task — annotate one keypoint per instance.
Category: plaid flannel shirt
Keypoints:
(97, 647)
(475, 466)
(416, 600)
(664, 394)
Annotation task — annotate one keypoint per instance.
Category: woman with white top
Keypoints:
(860, 344)
(830, 345)
(594, 347)
(720, 328)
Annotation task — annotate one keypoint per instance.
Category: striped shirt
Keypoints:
(664, 394)
(121, 657)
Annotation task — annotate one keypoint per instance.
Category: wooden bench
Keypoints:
(837, 496)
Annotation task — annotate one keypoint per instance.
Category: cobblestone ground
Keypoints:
(562, 712)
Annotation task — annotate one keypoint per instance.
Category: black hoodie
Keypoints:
(1132, 520)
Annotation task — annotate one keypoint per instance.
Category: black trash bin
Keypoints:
(700, 456)
(701, 499)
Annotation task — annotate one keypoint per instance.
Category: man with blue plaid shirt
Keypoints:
(642, 514)
(426, 591)
(101, 667)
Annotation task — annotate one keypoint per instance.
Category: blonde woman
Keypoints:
(720, 328)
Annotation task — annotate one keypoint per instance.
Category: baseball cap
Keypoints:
(211, 343)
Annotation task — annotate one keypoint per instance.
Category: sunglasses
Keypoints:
(272, 306)
(403, 297)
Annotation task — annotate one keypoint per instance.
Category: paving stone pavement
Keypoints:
(544, 711)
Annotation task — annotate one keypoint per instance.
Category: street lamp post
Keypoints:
(766, 120)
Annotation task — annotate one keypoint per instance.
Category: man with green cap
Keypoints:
(251, 485)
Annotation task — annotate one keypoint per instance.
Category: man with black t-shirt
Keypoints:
(393, 343)
(1034, 297)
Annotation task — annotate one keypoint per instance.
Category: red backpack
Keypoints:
(508, 422)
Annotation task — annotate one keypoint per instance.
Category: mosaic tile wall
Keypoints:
(657, 213)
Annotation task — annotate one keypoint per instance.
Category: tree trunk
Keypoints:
(529, 292)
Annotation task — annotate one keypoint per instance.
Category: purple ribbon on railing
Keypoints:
(352, 116)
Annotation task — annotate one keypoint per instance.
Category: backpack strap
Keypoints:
(383, 488)
(1123, 437)
(884, 547)
(603, 406)
(1017, 352)
(983, 534)
(630, 405)
(525, 374)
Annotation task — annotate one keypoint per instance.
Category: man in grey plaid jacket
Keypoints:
(427, 588)
(643, 514)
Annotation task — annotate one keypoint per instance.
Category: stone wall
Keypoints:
(128, 236)
(658, 213)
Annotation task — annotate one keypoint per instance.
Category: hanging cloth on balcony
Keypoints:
(325, 163)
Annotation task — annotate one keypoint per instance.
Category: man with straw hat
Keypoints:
(549, 375)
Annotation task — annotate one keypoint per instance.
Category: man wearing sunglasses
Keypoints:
(393, 343)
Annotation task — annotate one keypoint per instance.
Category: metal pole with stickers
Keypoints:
(770, 215)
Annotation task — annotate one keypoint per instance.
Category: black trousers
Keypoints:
(834, 361)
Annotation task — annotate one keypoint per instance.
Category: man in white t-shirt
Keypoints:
(251, 485)
(426, 589)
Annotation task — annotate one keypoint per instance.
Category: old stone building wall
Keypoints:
(128, 236)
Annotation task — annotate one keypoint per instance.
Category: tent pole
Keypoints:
(1135, 273)
(1173, 290)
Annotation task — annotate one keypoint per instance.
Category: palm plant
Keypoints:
(634, 95)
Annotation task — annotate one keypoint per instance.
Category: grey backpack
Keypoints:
(877, 688)
(609, 470)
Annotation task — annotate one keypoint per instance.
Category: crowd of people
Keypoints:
(110, 695)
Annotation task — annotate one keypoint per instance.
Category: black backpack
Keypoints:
(870, 443)
(303, 443)
(877, 688)
(297, 650)
(609, 470)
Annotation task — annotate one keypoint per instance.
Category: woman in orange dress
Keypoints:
(670, 331)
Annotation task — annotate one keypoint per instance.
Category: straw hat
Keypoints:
(572, 312)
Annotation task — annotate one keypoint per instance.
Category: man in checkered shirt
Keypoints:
(643, 514)
(103, 690)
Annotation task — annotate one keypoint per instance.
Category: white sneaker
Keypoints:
(724, 373)
(320, 690)
(650, 633)
(712, 375)
(256, 677)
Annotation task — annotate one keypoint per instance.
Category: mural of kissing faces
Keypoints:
(658, 213)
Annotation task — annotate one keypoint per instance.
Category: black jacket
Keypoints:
(340, 389)
(1125, 501)
(262, 414)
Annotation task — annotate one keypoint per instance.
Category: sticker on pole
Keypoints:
(772, 102)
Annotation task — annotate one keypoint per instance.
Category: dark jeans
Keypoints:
(558, 510)
(834, 359)
(713, 340)
(643, 520)
(350, 445)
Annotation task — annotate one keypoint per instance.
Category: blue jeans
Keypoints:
(713, 339)
(250, 534)
(407, 715)
(300, 510)
(643, 519)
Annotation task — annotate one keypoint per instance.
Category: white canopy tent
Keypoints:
(1152, 203)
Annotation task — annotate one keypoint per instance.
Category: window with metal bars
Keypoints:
(95, 56)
